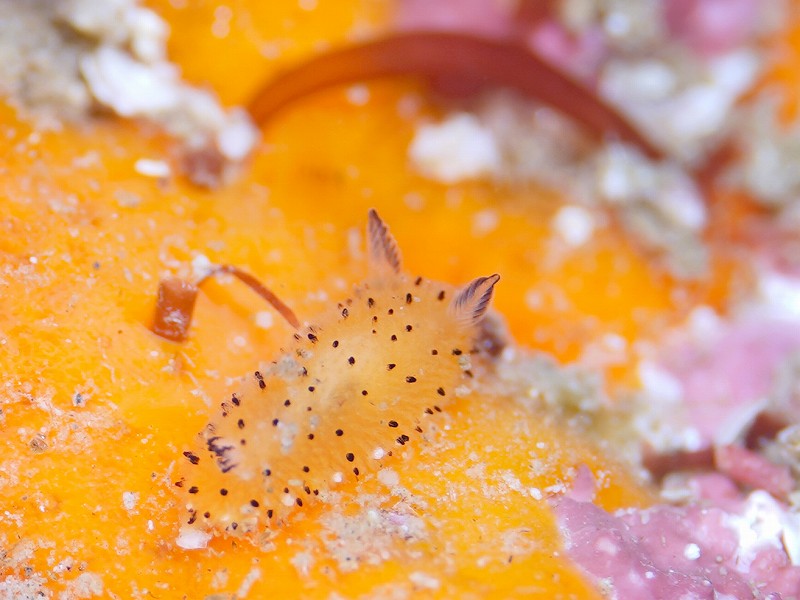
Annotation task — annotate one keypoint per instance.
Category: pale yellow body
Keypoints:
(351, 392)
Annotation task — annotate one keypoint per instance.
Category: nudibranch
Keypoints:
(478, 60)
(366, 382)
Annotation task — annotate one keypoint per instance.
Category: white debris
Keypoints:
(691, 552)
(682, 114)
(85, 585)
(625, 177)
(658, 383)
(761, 525)
(704, 325)
(458, 148)
(192, 539)
(771, 148)
(64, 59)
(424, 581)
(388, 477)
(118, 21)
(574, 224)
(780, 295)
(237, 137)
(201, 266)
(358, 95)
(153, 168)
(129, 500)
(252, 576)
(791, 536)
(129, 87)
(23, 587)
(264, 319)
(302, 561)
(661, 419)
(485, 222)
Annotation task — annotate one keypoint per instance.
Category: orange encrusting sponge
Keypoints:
(97, 410)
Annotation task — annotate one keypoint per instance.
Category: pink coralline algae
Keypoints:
(579, 53)
(711, 27)
(752, 469)
(692, 552)
(468, 16)
(732, 370)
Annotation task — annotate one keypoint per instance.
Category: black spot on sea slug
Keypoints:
(261, 383)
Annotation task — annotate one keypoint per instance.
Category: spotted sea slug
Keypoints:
(367, 381)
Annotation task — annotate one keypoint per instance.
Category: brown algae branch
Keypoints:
(490, 62)
(176, 299)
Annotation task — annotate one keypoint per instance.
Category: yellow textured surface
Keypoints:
(96, 409)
